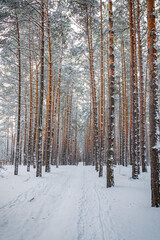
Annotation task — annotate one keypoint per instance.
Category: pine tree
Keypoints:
(19, 100)
(93, 87)
(30, 134)
(101, 158)
(142, 113)
(153, 103)
(110, 155)
(39, 147)
(134, 94)
(47, 169)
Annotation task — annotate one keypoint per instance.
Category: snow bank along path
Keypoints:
(72, 203)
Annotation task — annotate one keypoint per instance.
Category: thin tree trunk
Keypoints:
(35, 140)
(120, 126)
(58, 129)
(69, 147)
(126, 107)
(101, 159)
(12, 148)
(75, 151)
(123, 107)
(47, 168)
(58, 108)
(93, 87)
(19, 101)
(25, 130)
(30, 135)
(39, 147)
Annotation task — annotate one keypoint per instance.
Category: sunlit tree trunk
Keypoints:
(93, 87)
(35, 137)
(69, 141)
(153, 103)
(47, 168)
(58, 110)
(58, 128)
(53, 120)
(75, 150)
(134, 95)
(101, 159)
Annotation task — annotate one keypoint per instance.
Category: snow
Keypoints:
(72, 203)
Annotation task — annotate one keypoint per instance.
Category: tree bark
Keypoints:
(30, 135)
(93, 88)
(101, 159)
(47, 168)
(142, 107)
(19, 101)
(153, 103)
(110, 155)
(39, 146)
(134, 92)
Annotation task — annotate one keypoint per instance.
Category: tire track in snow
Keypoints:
(49, 204)
(31, 208)
(81, 220)
(99, 211)
(90, 226)
(110, 233)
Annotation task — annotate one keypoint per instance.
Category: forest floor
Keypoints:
(72, 203)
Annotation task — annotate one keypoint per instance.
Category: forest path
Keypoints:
(61, 205)
(72, 203)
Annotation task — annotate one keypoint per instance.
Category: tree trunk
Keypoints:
(58, 109)
(142, 108)
(136, 87)
(75, 150)
(134, 92)
(126, 107)
(101, 159)
(110, 155)
(153, 104)
(35, 140)
(93, 87)
(25, 130)
(39, 147)
(47, 168)
(19, 101)
(123, 107)
(30, 135)
(120, 126)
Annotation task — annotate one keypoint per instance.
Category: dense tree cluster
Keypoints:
(79, 82)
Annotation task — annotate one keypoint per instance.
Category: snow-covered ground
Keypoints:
(72, 203)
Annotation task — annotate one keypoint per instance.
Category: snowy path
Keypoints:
(72, 203)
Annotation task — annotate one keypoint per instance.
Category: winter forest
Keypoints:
(79, 119)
